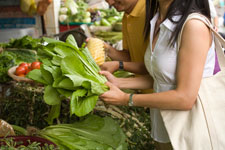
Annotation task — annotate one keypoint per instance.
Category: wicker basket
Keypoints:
(11, 73)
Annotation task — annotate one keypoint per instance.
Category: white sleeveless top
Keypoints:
(161, 65)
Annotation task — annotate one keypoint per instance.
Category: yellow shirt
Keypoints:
(133, 32)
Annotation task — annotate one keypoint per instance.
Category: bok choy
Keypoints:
(93, 133)
(68, 72)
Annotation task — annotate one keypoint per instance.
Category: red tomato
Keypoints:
(35, 65)
(20, 70)
(24, 65)
(28, 70)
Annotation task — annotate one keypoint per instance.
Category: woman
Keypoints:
(175, 72)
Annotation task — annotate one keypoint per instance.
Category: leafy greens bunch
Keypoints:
(93, 133)
(26, 42)
(68, 72)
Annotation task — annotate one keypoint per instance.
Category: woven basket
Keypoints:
(11, 73)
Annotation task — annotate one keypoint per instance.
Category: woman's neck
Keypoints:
(163, 8)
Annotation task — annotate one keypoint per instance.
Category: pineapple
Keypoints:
(96, 48)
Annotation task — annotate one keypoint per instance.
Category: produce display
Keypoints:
(78, 12)
(13, 57)
(63, 102)
(108, 17)
(73, 11)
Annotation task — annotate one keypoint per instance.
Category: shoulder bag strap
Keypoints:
(219, 41)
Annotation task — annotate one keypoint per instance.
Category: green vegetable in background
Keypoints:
(16, 52)
(90, 133)
(105, 22)
(69, 72)
(21, 55)
(74, 11)
(108, 17)
(93, 133)
(6, 62)
(26, 42)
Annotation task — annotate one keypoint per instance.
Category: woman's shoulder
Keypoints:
(196, 26)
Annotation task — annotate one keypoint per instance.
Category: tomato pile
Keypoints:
(25, 68)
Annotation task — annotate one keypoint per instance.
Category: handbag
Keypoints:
(202, 127)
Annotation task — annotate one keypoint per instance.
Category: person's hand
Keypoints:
(115, 96)
(110, 66)
(110, 77)
(107, 46)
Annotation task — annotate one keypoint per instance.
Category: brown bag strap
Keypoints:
(219, 41)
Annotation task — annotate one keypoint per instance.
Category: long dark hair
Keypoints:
(177, 7)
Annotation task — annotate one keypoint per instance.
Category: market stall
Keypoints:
(51, 82)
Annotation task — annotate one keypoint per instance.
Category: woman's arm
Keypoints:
(195, 43)
(141, 82)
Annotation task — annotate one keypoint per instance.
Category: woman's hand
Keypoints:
(110, 77)
(110, 66)
(115, 96)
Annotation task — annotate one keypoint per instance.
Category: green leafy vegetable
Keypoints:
(69, 72)
(93, 133)
(6, 62)
(26, 42)
(21, 55)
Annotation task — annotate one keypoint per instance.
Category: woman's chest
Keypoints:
(161, 63)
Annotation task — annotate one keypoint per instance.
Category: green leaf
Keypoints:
(46, 62)
(45, 52)
(71, 40)
(110, 134)
(80, 104)
(79, 81)
(56, 60)
(36, 75)
(56, 73)
(67, 84)
(51, 96)
(95, 87)
(54, 113)
(63, 51)
(72, 65)
(46, 72)
(66, 93)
